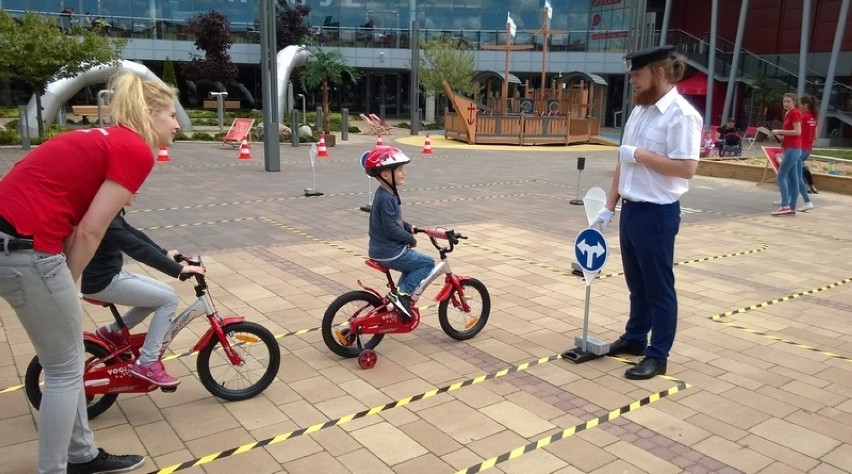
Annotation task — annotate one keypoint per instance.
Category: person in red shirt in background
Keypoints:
(807, 105)
(55, 206)
(791, 134)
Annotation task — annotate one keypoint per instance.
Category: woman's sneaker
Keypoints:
(806, 206)
(784, 211)
(106, 462)
(154, 373)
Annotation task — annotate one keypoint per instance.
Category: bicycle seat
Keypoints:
(94, 301)
(376, 265)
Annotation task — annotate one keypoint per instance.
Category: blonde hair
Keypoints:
(134, 99)
(792, 96)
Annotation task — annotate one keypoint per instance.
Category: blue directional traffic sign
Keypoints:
(590, 250)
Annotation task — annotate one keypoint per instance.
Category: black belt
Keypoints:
(16, 243)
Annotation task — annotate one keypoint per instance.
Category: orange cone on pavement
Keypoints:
(245, 154)
(427, 147)
(322, 152)
(163, 154)
(379, 140)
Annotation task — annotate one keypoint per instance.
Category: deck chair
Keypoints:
(240, 130)
(374, 128)
(750, 137)
(381, 123)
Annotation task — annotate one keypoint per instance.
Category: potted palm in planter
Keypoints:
(325, 68)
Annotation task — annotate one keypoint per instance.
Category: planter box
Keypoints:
(747, 172)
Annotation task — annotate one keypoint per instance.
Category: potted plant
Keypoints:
(323, 69)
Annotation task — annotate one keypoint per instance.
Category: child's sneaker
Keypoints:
(806, 206)
(154, 373)
(107, 335)
(784, 211)
(402, 303)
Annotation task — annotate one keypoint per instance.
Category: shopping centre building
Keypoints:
(590, 36)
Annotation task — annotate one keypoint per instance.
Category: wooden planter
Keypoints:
(761, 174)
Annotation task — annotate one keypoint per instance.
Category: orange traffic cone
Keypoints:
(322, 152)
(379, 140)
(163, 154)
(245, 154)
(427, 147)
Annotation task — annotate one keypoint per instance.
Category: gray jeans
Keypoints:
(145, 295)
(39, 287)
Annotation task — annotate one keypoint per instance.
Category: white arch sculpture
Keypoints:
(60, 91)
(287, 59)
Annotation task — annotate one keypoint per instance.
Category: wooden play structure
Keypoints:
(568, 110)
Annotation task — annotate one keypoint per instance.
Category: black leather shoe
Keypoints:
(647, 368)
(621, 346)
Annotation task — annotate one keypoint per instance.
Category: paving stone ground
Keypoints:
(764, 339)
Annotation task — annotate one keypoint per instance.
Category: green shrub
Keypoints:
(12, 124)
(181, 136)
(202, 136)
(9, 137)
(354, 129)
(9, 113)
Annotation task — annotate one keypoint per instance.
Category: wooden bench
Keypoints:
(90, 111)
(229, 104)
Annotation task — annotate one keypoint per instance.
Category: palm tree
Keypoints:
(324, 68)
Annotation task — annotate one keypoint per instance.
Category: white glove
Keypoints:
(625, 154)
(603, 218)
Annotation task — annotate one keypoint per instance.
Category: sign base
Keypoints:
(594, 345)
(576, 269)
(578, 356)
(312, 192)
(366, 208)
(576, 202)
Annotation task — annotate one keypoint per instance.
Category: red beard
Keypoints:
(651, 95)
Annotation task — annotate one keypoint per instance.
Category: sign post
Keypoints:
(312, 190)
(590, 250)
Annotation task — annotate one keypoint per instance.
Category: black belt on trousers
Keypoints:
(17, 243)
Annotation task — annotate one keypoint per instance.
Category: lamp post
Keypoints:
(220, 107)
(304, 110)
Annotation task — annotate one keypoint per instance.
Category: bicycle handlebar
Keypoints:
(193, 261)
(449, 235)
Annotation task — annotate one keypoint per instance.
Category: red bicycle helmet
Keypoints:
(383, 158)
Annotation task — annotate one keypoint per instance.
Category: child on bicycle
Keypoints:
(105, 280)
(392, 239)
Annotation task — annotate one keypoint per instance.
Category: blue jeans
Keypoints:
(145, 295)
(647, 237)
(414, 267)
(39, 288)
(788, 179)
(803, 186)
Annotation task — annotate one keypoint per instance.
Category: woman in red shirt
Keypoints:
(791, 133)
(55, 205)
(807, 106)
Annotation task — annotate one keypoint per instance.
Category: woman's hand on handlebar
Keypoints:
(172, 254)
(188, 269)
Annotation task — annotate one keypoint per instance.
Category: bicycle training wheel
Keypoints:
(260, 355)
(459, 324)
(95, 404)
(335, 323)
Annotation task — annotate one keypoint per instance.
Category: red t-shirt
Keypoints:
(792, 117)
(48, 192)
(809, 126)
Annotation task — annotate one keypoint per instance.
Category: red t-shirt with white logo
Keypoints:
(47, 193)
(792, 117)
(809, 126)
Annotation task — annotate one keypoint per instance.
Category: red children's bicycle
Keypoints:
(237, 359)
(355, 322)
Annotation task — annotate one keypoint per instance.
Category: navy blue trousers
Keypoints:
(647, 236)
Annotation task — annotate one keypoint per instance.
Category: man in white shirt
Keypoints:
(658, 156)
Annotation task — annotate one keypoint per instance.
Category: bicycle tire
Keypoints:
(255, 344)
(361, 301)
(95, 406)
(478, 298)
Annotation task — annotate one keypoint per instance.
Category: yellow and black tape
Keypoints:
(194, 224)
(361, 414)
(720, 318)
(543, 442)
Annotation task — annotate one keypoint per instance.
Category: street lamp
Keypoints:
(304, 110)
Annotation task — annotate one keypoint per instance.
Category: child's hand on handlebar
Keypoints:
(188, 269)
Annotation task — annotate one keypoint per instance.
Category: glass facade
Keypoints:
(584, 25)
